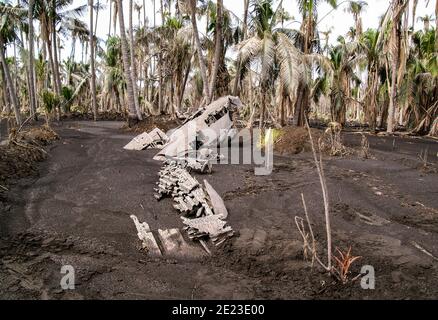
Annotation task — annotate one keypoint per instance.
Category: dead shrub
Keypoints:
(331, 143)
(294, 140)
(24, 150)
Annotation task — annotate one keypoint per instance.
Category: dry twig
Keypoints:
(320, 170)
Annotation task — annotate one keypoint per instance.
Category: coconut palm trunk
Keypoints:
(237, 79)
(96, 20)
(32, 93)
(10, 84)
(202, 66)
(395, 46)
(436, 26)
(132, 117)
(144, 14)
(115, 13)
(92, 64)
(218, 48)
(110, 15)
(133, 64)
(55, 52)
(302, 102)
(5, 98)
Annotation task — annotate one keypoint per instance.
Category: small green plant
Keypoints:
(50, 102)
(67, 95)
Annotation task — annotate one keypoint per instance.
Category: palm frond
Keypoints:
(290, 62)
(267, 56)
(249, 49)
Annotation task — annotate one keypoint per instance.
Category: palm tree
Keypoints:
(133, 112)
(398, 7)
(113, 74)
(436, 29)
(414, 12)
(218, 48)
(53, 15)
(275, 50)
(202, 67)
(373, 48)
(132, 58)
(32, 92)
(309, 12)
(426, 19)
(92, 57)
(326, 35)
(137, 8)
(356, 8)
(238, 77)
(229, 35)
(11, 16)
(421, 84)
(339, 72)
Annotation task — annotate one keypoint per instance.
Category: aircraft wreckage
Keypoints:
(186, 148)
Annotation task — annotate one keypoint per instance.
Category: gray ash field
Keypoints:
(77, 209)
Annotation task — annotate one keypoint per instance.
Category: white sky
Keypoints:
(339, 20)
